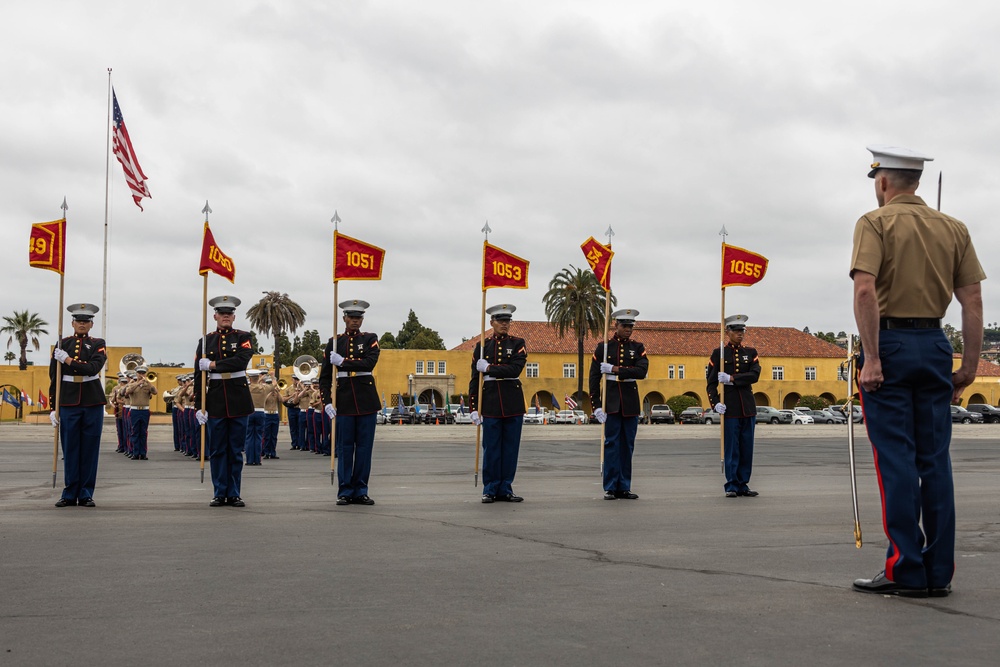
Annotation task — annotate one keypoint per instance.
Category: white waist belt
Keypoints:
(226, 376)
(258, 409)
(271, 412)
(80, 378)
(136, 407)
(487, 378)
(347, 374)
(614, 378)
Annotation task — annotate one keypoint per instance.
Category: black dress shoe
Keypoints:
(217, 502)
(625, 495)
(610, 495)
(275, 456)
(731, 494)
(748, 493)
(362, 500)
(939, 592)
(487, 499)
(237, 502)
(880, 585)
(65, 502)
(87, 502)
(343, 500)
(511, 498)
(143, 458)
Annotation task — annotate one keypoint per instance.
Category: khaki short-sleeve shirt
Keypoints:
(917, 255)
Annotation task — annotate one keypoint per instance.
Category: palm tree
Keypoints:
(575, 301)
(274, 315)
(24, 327)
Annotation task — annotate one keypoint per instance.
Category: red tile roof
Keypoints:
(675, 339)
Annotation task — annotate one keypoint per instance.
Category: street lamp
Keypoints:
(411, 388)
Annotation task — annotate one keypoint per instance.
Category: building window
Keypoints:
(531, 370)
(569, 370)
(670, 372)
(810, 372)
(420, 368)
(430, 368)
(680, 372)
(442, 368)
(777, 372)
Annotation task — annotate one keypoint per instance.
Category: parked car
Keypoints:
(661, 414)
(691, 416)
(565, 417)
(804, 410)
(535, 416)
(436, 415)
(768, 415)
(581, 417)
(858, 416)
(398, 416)
(462, 414)
(960, 414)
(827, 416)
(711, 417)
(990, 414)
(381, 417)
(797, 417)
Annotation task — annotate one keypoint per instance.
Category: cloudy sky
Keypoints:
(420, 121)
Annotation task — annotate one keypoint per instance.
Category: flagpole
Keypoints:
(107, 188)
(482, 354)
(722, 349)
(333, 387)
(607, 325)
(204, 349)
(55, 399)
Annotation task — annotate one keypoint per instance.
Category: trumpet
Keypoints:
(151, 377)
(306, 368)
(282, 384)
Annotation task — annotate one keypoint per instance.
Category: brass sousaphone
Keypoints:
(130, 362)
(306, 368)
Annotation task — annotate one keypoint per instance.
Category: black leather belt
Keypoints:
(909, 323)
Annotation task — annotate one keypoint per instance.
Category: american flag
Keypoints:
(121, 146)
(570, 403)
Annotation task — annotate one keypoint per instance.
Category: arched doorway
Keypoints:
(976, 398)
(431, 397)
(790, 400)
(829, 398)
(761, 398)
(695, 396)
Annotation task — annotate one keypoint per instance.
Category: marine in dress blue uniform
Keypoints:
(501, 410)
(228, 405)
(352, 357)
(619, 411)
(80, 410)
(907, 263)
(738, 373)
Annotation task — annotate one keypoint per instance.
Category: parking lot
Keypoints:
(430, 576)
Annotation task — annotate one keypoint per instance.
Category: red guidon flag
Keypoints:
(356, 260)
(599, 257)
(47, 246)
(214, 260)
(502, 269)
(741, 267)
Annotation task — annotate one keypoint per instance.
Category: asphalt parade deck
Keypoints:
(430, 576)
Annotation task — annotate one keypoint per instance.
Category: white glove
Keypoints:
(202, 417)
(725, 378)
(482, 365)
(606, 368)
(203, 364)
(720, 408)
(60, 355)
(476, 419)
(600, 415)
(54, 418)
(331, 411)
(336, 359)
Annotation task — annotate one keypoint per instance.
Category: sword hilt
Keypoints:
(857, 535)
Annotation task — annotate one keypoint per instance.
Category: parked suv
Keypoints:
(661, 414)
(400, 416)
(990, 414)
(711, 417)
(691, 416)
(436, 415)
(768, 415)
(960, 414)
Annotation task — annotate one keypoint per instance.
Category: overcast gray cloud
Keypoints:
(420, 121)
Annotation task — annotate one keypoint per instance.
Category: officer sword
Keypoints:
(850, 366)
